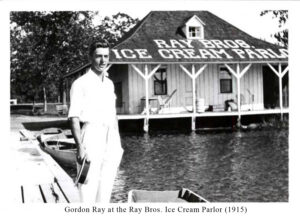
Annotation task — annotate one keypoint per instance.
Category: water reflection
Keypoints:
(221, 166)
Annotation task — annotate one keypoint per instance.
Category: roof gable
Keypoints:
(194, 21)
(159, 38)
(194, 28)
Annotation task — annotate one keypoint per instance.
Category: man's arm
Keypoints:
(75, 128)
(116, 124)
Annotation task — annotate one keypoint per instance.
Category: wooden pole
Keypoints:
(193, 75)
(146, 87)
(239, 94)
(64, 97)
(280, 75)
(194, 89)
(238, 74)
(280, 91)
(146, 76)
(194, 99)
(146, 121)
(45, 99)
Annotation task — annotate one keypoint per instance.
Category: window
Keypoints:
(160, 82)
(225, 80)
(226, 85)
(194, 32)
(194, 28)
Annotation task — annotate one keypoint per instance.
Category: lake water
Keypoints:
(238, 166)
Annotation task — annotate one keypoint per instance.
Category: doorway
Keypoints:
(271, 88)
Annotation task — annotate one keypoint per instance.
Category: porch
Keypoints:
(196, 119)
(198, 91)
(194, 90)
(202, 114)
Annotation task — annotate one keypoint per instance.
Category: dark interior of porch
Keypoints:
(271, 88)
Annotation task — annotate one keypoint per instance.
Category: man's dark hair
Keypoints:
(98, 44)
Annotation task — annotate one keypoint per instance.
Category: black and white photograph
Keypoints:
(119, 103)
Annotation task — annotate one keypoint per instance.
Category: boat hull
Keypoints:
(65, 157)
(60, 147)
(182, 195)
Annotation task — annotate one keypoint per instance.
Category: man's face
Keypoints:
(100, 59)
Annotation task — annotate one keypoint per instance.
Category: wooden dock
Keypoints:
(202, 114)
(39, 179)
(194, 115)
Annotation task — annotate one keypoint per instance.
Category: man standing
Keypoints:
(93, 104)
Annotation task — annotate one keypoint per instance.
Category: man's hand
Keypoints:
(81, 154)
(75, 127)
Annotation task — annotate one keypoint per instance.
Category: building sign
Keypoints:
(202, 49)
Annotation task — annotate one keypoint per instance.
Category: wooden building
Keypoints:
(176, 64)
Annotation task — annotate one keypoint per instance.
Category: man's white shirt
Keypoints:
(93, 99)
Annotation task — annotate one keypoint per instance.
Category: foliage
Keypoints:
(47, 45)
(113, 28)
(282, 17)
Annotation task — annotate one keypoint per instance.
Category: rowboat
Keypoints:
(59, 146)
(176, 196)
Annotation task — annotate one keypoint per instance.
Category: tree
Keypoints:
(44, 45)
(47, 45)
(116, 26)
(282, 17)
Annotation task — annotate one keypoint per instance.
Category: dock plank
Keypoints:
(35, 171)
(26, 135)
(15, 192)
(63, 179)
(32, 194)
(30, 167)
(61, 197)
(48, 193)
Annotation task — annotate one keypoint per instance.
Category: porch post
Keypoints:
(238, 74)
(194, 98)
(280, 75)
(239, 93)
(146, 120)
(280, 92)
(193, 75)
(146, 76)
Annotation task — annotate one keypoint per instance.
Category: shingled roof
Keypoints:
(138, 45)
